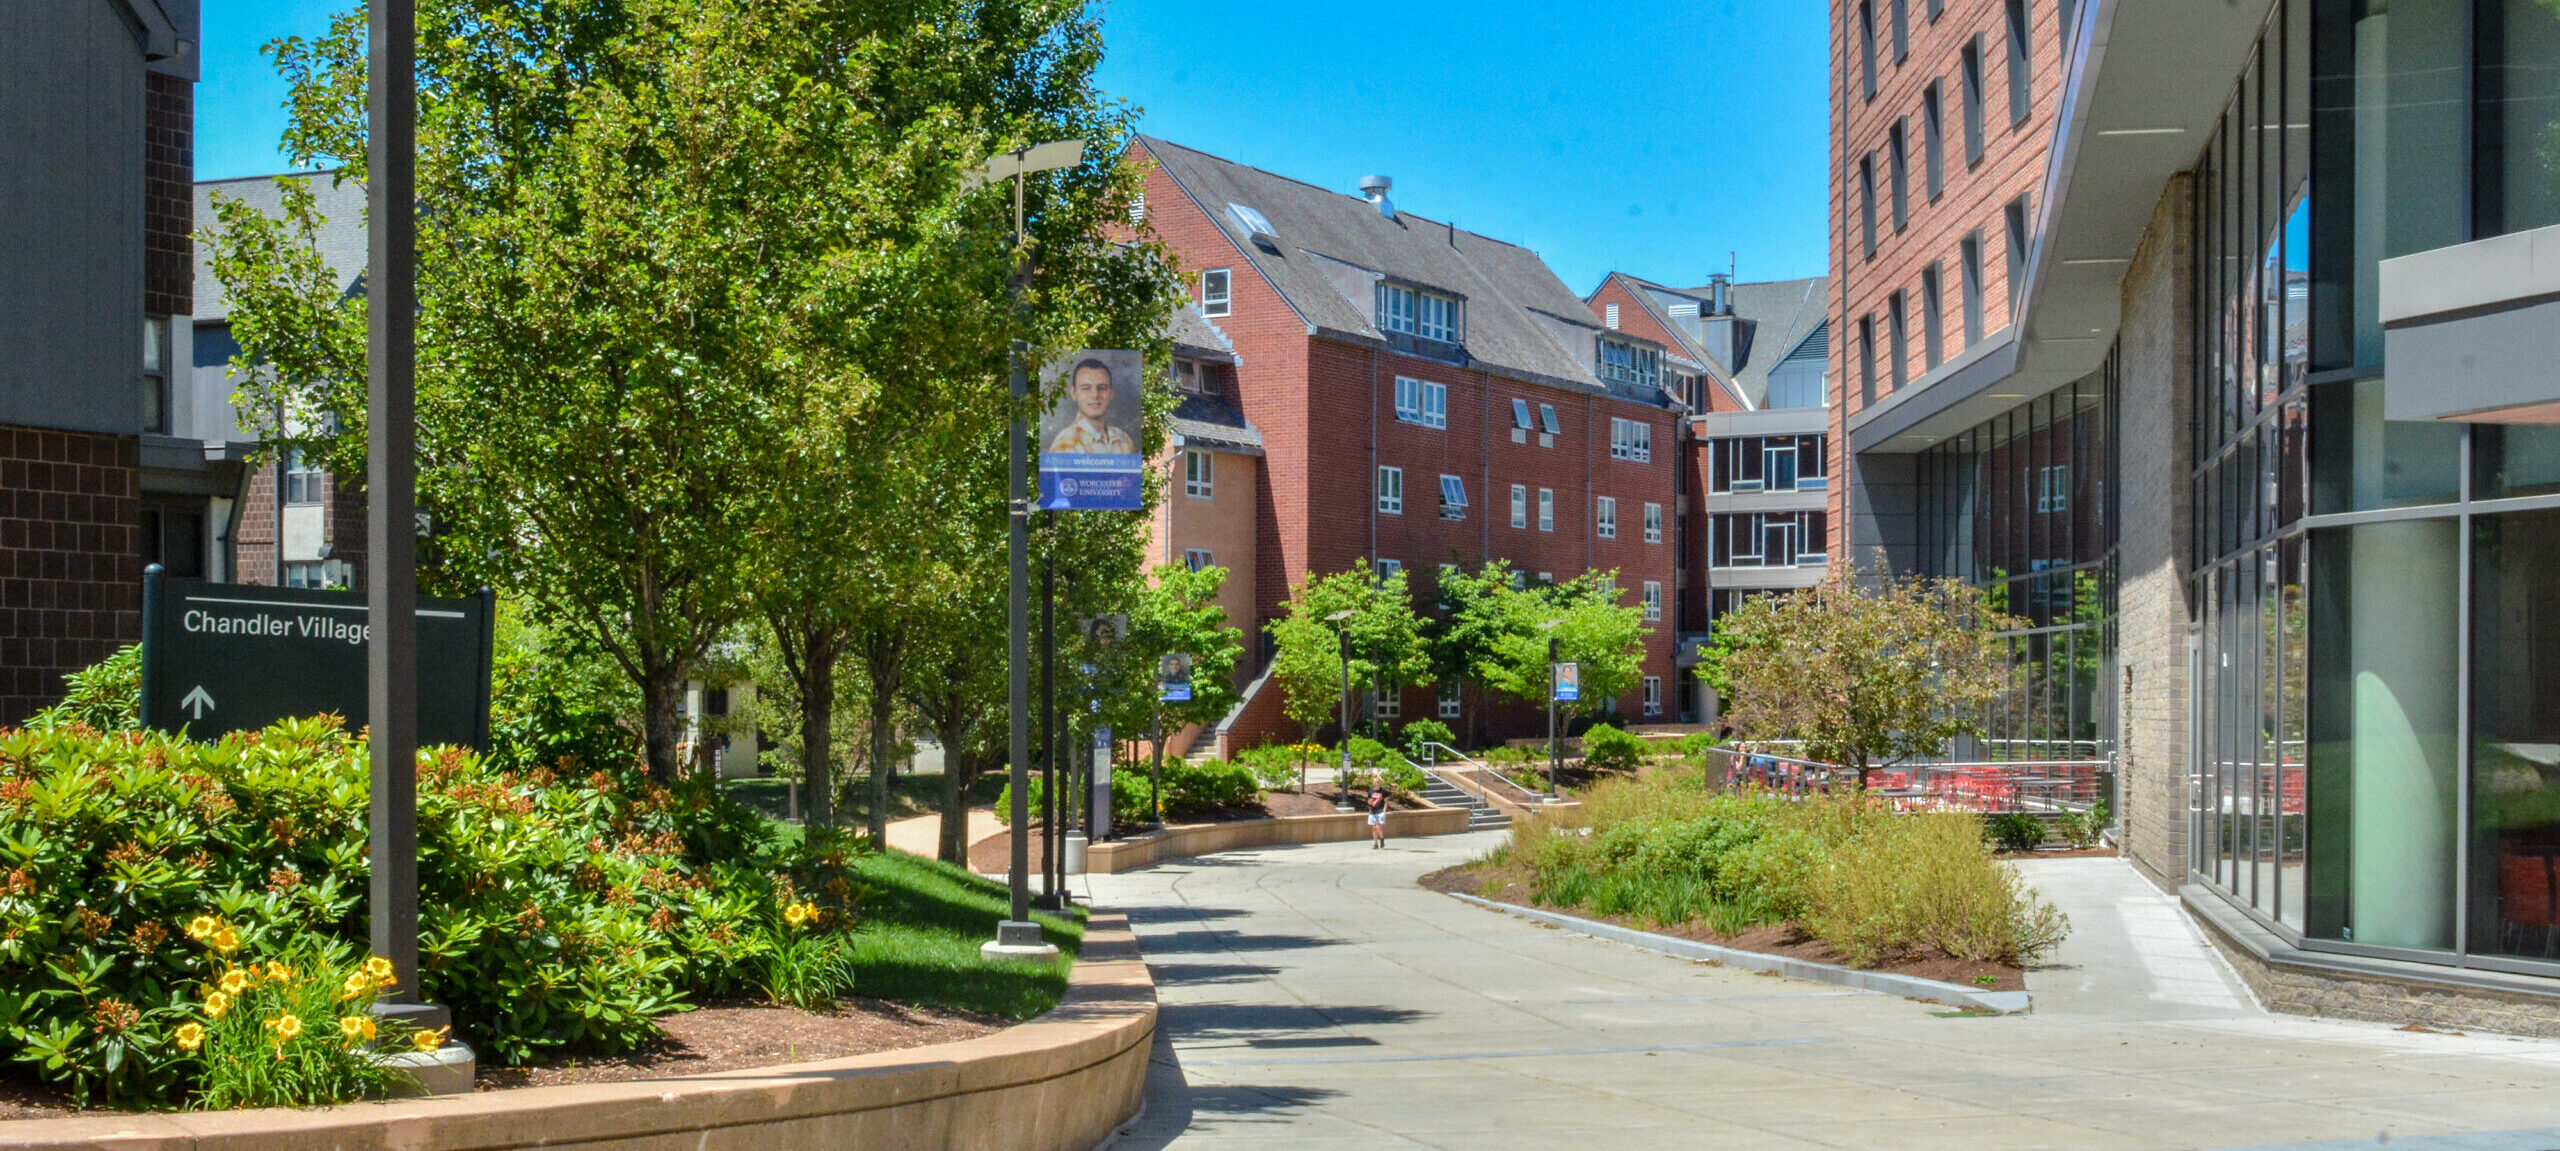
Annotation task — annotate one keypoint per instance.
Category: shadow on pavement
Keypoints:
(1209, 972)
(1220, 1020)
(1210, 940)
(1173, 1103)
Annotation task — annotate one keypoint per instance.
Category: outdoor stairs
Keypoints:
(1481, 816)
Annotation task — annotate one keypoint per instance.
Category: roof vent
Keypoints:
(1375, 188)
(1719, 294)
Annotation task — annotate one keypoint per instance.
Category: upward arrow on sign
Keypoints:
(197, 702)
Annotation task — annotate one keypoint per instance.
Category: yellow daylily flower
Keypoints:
(285, 1026)
(356, 1026)
(429, 1040)
(190, 1036)
(226, 940)
(201, 926)
(215, 1004)
(378, 967)
(235, 981)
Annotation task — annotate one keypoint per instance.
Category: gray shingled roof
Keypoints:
(1330, 250)
(1214, 420)
(1194, 336)
(342, 237)
(1775, 316)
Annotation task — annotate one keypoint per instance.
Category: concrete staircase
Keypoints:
(1481, 816)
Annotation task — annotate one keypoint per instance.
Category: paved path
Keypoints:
(1315, 997)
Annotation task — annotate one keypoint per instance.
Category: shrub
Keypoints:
(2083, 829)
(1400, 777)
(2014, 831)
(1274, 766)
(295, 1031)
(1606, 748)
(1366, 752)
(1509, 755)
(1922, 885)
(1201, 787)
(560, 910)
(105, 696)
(804, 965)
(1699, 744)
(1422, 731)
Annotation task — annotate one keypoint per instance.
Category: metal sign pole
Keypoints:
(391, 511)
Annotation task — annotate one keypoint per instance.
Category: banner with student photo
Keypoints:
(1089, 457)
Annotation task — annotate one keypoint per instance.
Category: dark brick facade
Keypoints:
(168, 173)
(70, 559)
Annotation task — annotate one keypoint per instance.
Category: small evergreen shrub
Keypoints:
(1606, 748)
(1274, 766)
(2014, 831)
(1422, 731)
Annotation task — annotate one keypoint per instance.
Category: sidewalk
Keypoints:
(2132, 954)
(922, 834)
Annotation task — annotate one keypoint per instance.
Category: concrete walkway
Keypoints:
(922, 834)
(1314, 996)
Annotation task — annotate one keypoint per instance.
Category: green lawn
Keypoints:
(920, 931)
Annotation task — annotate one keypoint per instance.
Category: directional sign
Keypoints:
(220, 658)
(1568, 682)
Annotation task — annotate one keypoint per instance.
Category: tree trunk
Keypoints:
(959, 770)
(883, 704)
(817, 683)
(662, 719)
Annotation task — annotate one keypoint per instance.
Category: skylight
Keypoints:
(1251, 221)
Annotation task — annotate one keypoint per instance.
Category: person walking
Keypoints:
(1377, 813)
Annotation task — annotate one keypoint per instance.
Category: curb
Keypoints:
(1906, 986)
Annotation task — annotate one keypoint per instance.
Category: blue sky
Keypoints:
(1659, 139)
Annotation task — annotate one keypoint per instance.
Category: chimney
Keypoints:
(1715, 328)
(1719, 294)
(1375, 188)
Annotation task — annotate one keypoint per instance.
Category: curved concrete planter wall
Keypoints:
(1204, 838)
(1061, 1082)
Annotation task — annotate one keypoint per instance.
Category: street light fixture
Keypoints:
(1553, 651)
(1342, 775)
(1019, 935)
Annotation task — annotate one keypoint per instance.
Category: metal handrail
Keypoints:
(1487, 768)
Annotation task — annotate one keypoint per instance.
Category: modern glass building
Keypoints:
(2269, 459)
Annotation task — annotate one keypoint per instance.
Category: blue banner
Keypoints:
(1089, 458)
(1092, 482)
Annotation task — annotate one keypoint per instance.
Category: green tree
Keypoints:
(1866, 672)
(1388, 651)
(1176, 613)
(1497, 634)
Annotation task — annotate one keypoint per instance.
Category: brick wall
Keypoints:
(1635, 320)
(2152, 597)
(1973, 197)
(168, 173)
(70, 559)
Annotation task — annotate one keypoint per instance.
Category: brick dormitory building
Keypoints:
(1415, 395)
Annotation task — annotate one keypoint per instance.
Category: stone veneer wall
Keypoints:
(2153, 613)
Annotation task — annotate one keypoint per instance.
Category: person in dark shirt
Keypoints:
(1377, 812)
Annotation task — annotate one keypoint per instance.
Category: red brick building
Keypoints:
(1423, 396)
(1942, 116)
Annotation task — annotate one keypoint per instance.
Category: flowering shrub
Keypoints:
(297, 1030)
(561, 907)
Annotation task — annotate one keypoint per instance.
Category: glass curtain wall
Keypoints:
(2376, 720)
(2021, 505)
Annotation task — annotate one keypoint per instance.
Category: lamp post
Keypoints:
(1018, 935)
(1553, 652)
(1342, 774)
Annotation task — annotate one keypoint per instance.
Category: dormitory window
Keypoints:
(1896, 332)
(1898, 166)
(1653, 523)
(1933, 140)
(1901, 30)
(1866, 360)
(1417, 313)
(1386, 704)
(1199, 471)
(2020, 99)
(1932, 304)
(2016, 214)
(1422, 402)
(1766, 463)
(1547, 418)
(303, 484)
(1546, 509)
(1653, 601)
(1213, 292)
(1625, 363)
(1198, 558)
(1972, 66)
(1767, 539)
(1606, 518)
(1391, 491)
(1520, 414)
(1387, 570)
(1653, 695)
(1631, 440)
(1867, 204)
(1970, 253)
(1448, 699)
(1453, 498)
(2053, 489)
(1519, 506)
(1867, 45)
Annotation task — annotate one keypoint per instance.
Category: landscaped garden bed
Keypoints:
(1832, 879)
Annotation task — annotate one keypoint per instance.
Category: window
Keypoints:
(1519, 507)
(307, 574)
(1422, 402)
(1609, 588)
(2053, 489)
(1609, 317)
(1138, 210)
(1546, 509)
(2016, 217)
(1767, 539)
(1199, 473)
(1625, 363)
(1190, 376)
(1653, 683)
(1547, 418)
(1453, 498)
(1605, 521)
(1631, 440)
(1898, 169)
(1418, 313)
(1653, 523)
(155, 374)
(303, 484)
(2020, 99)
(1519, 581)
(1867, 45)
(1937, 8)
(1933, 140)
(1391, 491)
(1214, 285)
(1449, 699)
(1970, 252)
(1901, 30)
(1653, 601)
(1387, 570)
(1971, 61)
(1932, 302)
(1867, 203)
(1866, 360)
(1386, 704)
(1520, 414)
(1197, 558)
(1895, 328)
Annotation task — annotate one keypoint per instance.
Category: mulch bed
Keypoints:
(1509, 883)
(720, 1037)
(994, 854)
(735, 1036)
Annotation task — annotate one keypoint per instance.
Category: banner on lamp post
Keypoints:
(1089, 458)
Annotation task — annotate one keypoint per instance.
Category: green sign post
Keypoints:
(220, 658)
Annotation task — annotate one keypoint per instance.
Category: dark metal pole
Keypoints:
(391, 487)
(1017, 622)
(1050, 744)
(1552, 652)
(1342, 774)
